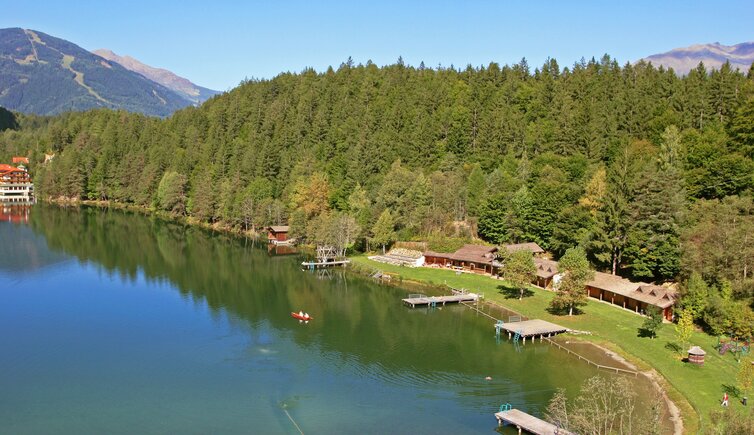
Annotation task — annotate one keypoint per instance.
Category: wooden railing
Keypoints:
(599, 366)
(583, 358)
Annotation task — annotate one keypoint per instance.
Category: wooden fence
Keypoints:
(583, 358)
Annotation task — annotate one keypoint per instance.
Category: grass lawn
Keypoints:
(700, 387)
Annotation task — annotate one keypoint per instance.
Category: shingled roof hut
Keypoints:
(632, 295)
(470, 258)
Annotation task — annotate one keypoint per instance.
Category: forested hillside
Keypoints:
(651, 173)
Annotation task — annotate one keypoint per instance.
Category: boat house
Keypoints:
(631, 295)
(470, 258)
(277, 234)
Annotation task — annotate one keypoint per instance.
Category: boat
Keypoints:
(302, 316)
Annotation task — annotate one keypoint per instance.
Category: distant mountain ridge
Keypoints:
(683, 60)
(46, 75)
(184, 87)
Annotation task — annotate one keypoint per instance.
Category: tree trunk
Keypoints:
(570, 310)
(521, 295)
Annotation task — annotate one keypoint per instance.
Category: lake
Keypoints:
(113, 322)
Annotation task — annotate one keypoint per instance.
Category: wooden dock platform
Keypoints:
(529, 423)
(420, 300)
(321, 264)
(531, 329)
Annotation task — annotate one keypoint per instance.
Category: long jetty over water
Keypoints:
(529, 423)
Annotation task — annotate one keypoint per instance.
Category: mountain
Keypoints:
(46, 75)
(682, 60)
(182, 86)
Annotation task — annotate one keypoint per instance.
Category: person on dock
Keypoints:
(725, 399)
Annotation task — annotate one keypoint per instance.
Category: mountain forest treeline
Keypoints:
(650, 173)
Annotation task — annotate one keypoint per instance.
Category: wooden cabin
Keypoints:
(470, 258)
(534, 248)
(631, 295)
(277, 233)
(547, 272)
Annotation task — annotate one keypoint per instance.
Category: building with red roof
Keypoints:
(15, 184)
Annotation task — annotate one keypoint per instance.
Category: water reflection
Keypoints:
(365, 359)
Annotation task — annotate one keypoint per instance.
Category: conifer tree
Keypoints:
(383, 231)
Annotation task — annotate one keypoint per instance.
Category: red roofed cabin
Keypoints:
(471, 258)
(277, 233)
(634, 296)
(24, 160)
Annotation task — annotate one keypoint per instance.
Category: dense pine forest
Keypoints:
(651, 173)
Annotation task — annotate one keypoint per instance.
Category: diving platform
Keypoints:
(528, 423)
(530, 329)
(417, 300)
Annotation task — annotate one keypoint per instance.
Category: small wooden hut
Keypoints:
(277, 233)
(696, 355)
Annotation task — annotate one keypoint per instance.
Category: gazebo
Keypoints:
(696, 355)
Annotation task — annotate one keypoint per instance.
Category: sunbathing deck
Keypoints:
(531, 328)
(440, 300)
(528, 423)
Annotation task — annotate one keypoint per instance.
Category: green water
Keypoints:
(112, 322)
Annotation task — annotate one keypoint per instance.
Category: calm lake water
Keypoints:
(112, 322)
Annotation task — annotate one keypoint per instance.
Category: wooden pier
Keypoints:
(529, 423)
(321, 264)
(420, 300)
(530, 329)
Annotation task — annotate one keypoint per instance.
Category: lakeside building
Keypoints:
(547, 273)
(535, 249)
(470, 258)
(480, 258)
(635, 296)
(15, 184)
(277, 234)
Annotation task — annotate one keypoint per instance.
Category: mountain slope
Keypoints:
(682, 60)
(182, 86)
(46, 75)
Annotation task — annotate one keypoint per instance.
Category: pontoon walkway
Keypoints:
(419, 300)
(529, 423)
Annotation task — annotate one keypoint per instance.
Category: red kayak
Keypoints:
(305, 317)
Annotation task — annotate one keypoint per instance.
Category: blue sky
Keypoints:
(219, 43)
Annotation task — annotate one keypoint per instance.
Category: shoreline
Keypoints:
(678, 406)
(620, 357)
(147, 211)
